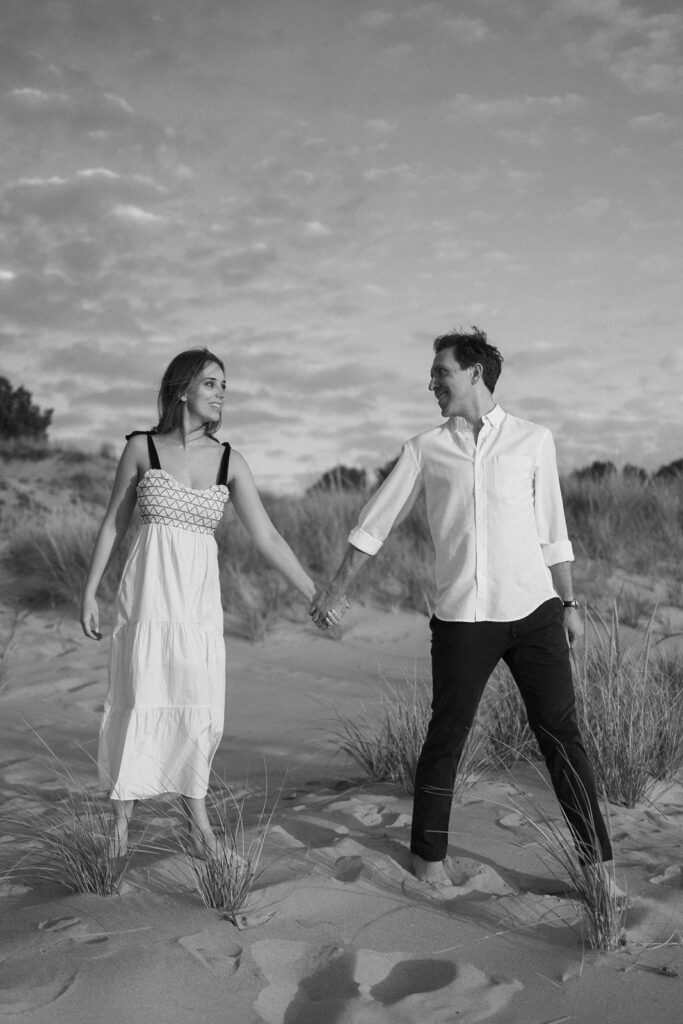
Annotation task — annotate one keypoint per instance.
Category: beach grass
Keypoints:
(630, 703)
(385, 738)
(66, 840)
(617, 522)
(593, 884)
(224, 880)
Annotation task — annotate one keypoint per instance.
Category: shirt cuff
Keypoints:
(364, 541)
(560, 551)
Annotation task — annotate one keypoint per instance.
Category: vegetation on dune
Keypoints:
(619, 520)
(20, 417)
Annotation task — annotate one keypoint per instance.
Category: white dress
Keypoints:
(163, 715)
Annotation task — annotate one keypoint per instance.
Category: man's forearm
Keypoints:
(353, 561)
(563, 581)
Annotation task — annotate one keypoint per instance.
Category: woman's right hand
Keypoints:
(90, 618)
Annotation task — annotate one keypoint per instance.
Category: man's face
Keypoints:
(452, 386)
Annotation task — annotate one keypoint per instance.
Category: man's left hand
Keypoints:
(573, 625)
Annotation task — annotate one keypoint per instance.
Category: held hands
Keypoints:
(327, 608)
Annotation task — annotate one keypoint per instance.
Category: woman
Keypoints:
(163, 716)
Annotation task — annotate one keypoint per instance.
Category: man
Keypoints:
(503, 590)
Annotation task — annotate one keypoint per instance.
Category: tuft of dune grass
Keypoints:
(630, 704)
(66, 841)
(385, 739)
(224, 880)
(593, 885)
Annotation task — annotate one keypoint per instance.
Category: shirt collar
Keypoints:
(494, 418)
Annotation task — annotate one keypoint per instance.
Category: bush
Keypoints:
(19, 417)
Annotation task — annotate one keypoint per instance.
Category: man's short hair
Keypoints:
(471, 348)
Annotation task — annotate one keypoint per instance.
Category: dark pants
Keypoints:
(535, 649)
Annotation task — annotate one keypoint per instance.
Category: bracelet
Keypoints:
(335, 597)
(571, 604)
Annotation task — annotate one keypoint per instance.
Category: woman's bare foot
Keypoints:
(203, 843)
(118, 830)
(118, 838)
(431, 871)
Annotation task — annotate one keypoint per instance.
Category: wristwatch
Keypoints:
(571, 604)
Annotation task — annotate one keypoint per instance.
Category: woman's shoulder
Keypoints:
(138, 438)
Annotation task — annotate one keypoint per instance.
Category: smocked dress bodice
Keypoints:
(164, 501)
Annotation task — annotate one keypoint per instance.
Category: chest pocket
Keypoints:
(513, 479)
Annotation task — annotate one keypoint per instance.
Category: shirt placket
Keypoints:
(481, 547)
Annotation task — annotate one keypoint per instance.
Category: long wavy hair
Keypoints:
(180, 375)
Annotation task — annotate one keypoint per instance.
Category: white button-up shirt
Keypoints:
(494, 510)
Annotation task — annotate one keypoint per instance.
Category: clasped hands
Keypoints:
(327, 608)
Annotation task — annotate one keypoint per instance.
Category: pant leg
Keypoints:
(464, 655)
(538, 658)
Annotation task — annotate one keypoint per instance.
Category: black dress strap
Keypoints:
(223, 471)
(153, 456)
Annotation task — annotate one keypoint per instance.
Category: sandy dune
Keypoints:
(337, 930)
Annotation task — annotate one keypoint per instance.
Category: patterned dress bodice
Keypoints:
(162, 500)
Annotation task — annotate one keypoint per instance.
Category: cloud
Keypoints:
(642, 50)
(656, 122)
(80, 195)
(243, 266)
(102, 112)
(376, 18)
(464, 29)
(467, 108)
(314, 229)
(593, 208)
(136, 216)
(380, 127)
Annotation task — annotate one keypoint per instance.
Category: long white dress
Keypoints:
(163, 715)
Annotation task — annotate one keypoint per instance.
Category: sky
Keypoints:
(316, 189)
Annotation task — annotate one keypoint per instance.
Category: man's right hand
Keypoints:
(327, 608)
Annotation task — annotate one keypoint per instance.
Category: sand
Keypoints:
(337, 930)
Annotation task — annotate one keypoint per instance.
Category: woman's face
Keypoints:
(206, 396)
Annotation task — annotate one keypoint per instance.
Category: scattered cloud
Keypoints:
(468, 108)
(642, 49)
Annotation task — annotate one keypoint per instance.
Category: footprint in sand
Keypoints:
(73, 928)
(308, 985)
(671, 876)
(364, 811)
(214, 950)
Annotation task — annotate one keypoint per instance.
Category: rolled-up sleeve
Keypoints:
(548, 507)
(389, 504)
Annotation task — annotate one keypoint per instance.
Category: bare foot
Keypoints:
(431, 871)
(118, 837)
(603, 872)
(203, 844)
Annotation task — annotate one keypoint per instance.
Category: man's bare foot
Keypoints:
(603, 872)
(431, 871)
